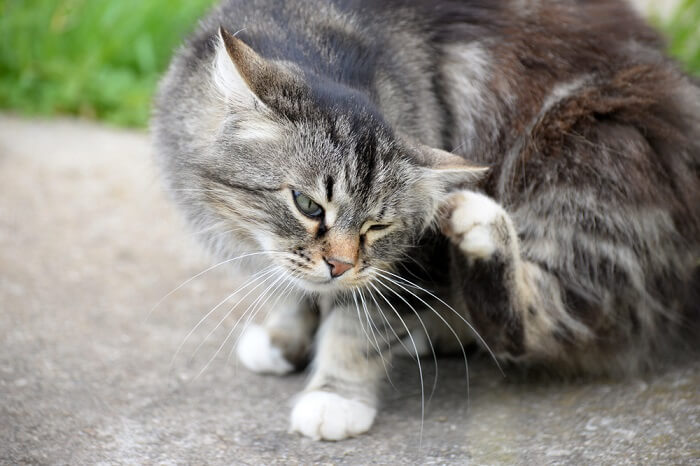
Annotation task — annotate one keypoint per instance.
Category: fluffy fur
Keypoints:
(577, 249)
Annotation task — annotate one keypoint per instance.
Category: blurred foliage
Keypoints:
(683, 33)
(102, 58)
(94, 58)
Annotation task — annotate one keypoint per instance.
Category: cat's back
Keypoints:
(462, 75)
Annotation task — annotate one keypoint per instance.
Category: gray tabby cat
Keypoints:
(563, 224)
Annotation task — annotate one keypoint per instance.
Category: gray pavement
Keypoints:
(88, 245)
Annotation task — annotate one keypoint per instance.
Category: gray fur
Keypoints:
(589, 259)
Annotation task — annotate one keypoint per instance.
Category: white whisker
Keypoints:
(413, 285)
(359, 318)
(268, 276)
(208, 269)
(228, 336)
(250, 281)
(387, 323)
(258, 307)
(420, 367)
(282, 295)
(425, 329)
(370, 323)
(461, 346)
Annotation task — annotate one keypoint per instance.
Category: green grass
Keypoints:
(683, 33)
(102, 58)
(94, 58)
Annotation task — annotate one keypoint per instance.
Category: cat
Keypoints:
(417, 176)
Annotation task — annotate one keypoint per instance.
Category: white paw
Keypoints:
(257, 353)
(470, 223)
(477, 242)
(328, 416)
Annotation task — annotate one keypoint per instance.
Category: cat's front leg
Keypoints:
(283, 342)
(341, 398)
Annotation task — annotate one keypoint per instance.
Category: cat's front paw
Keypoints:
(328, 416)
(257, 353)
(476, 223)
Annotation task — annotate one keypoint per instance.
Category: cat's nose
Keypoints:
(338, 267)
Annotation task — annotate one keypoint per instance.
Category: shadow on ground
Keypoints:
(88, 245)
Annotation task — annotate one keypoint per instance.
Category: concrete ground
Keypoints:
(88, 245)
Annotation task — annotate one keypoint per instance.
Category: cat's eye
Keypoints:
(306, 206)
(374, 227)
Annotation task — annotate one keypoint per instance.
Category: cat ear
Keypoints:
(238, 71)
(448, 170)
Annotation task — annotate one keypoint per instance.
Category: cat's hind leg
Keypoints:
(515, 305)
(570, 297)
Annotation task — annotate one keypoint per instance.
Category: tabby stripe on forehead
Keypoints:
(329, 188)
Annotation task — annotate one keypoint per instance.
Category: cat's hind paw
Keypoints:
(477, 224)
(257, 353)
(328, 416)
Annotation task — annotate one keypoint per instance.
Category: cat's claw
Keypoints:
(257, 353)
(470, 223)
(328, 416)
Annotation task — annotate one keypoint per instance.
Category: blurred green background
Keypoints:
(94, 58)
(102, 59)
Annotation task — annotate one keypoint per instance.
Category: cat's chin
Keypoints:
(329, 286)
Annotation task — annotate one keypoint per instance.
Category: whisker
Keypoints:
(283, 295)
(268, 276)
(357, 308)
(258, 302)
(413, 285)
(250, 281)
(387, 323)
(420, 367)
(258, 307)
(287, 289)
(228, 336)
(370, 323)
(208, 269)
(422, 324)
(427, 335)
(366, 309)
(411, 257)
(464, 353)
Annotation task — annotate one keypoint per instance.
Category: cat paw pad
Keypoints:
(328, 416)
(257, 353)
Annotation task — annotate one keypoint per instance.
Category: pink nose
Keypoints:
(338, 267)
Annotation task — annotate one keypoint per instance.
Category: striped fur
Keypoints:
(577, 250)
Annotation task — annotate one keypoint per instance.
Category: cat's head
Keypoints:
(308, 170)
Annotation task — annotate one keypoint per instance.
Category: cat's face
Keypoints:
(332, 207)
(311, 174)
